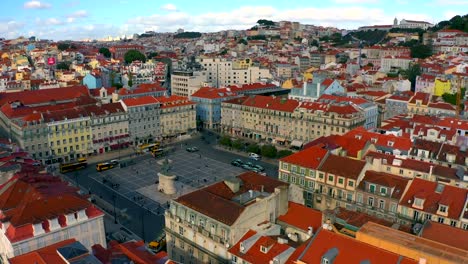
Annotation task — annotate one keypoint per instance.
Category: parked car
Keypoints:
(246, 166)
(254, 156)
(254, 169)
(192, 149)
(259, 167)
(250, 164)
(114, 161)
(237, 162)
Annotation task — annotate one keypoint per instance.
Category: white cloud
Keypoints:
(245, 17)
(48, 22)
(36, 5)
(355, 1)
(10, 28)
(169, 7)
(79, 13)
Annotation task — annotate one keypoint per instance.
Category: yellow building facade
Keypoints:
(70, 138)
(441, 87)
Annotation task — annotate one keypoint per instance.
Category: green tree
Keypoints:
(64, 65)
(238, 144)
(265, 22)
(269, 151)
(105, 51)
(421, 51)
(315, 43)
(225, 141)
(283, 153)
(133, 55)
(411, 73)
(130, 79)
(63, 46)
(370, 64)
(242, 41)
(152, 54)
(452, 98)
(254, 148)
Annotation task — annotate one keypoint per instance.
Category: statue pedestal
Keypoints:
(167, 184)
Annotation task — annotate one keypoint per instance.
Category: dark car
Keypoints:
(237, 162)
(246, 166)
(192, 149)
(260, 168)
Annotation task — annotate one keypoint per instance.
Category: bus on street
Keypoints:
(104, 166)
(81, 163)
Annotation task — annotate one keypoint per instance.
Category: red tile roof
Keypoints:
(387, 141)
(216, 202)
(302, 217)
(267, 102)
(140, 101)
(423, 97)
(445, 234)
(343, 166)
(45, 96)
(396, 183)
(450, 196)
(31, 199)
(214, 93)
(45, 255)
(254, 253)
(350, 251)
(174, 101)
(358, 219)
(309, 158)
(135, 251)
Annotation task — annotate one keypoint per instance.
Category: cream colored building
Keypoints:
(222, 72)
(185, 83)
(178, 115)
(198, 231)
(281, 120)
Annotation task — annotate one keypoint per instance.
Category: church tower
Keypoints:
(395, 22)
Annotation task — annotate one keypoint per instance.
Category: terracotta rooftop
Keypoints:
(347, 251)
(302, 217)
(140, 101)
(45, 255)
(445, 234)
(343, 166)
(411, 242)
(434, 194)
(396, 183)
(309, 158)
(216, 201)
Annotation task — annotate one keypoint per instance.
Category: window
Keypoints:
(440, 220)
(351, 183)
(383, 190)
(370, 201)
(453, 223)
(321, 176)
(442, 208)
(359, 197)
(418, 202)
(330, 178)
(310, 184)
(393, 207)
(285, 166)
(293, 179)
(381, 204)
(340, 180)
(465, 226)
(263, 249)
(372, 188)
(234, 259)
(181, 231)
(302, 181)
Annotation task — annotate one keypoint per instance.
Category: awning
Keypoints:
(297, 143)
(278, 139)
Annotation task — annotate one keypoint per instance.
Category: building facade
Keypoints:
(177, 116)
(143, 118)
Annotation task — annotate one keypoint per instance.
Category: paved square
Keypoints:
(193, 170)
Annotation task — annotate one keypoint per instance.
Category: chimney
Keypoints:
(430, 171)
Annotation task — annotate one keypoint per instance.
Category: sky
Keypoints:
(97, 19)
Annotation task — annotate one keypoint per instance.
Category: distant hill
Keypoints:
(188, 35)
(457, 22)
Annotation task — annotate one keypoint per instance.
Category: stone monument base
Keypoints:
(167, 184)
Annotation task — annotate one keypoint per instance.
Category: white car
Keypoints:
(254, 156)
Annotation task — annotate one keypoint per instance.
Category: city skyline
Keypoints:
(83, 19)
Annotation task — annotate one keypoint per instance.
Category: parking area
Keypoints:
(139, 181)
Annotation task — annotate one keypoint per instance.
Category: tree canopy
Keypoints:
(452, 98)
(188, 35)
(133, 55)
(411, 73)
(265, 22)
(456, 22)
(64, 65)
(105, 51)
(269, 151)
(421, 51)
(64, 46)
